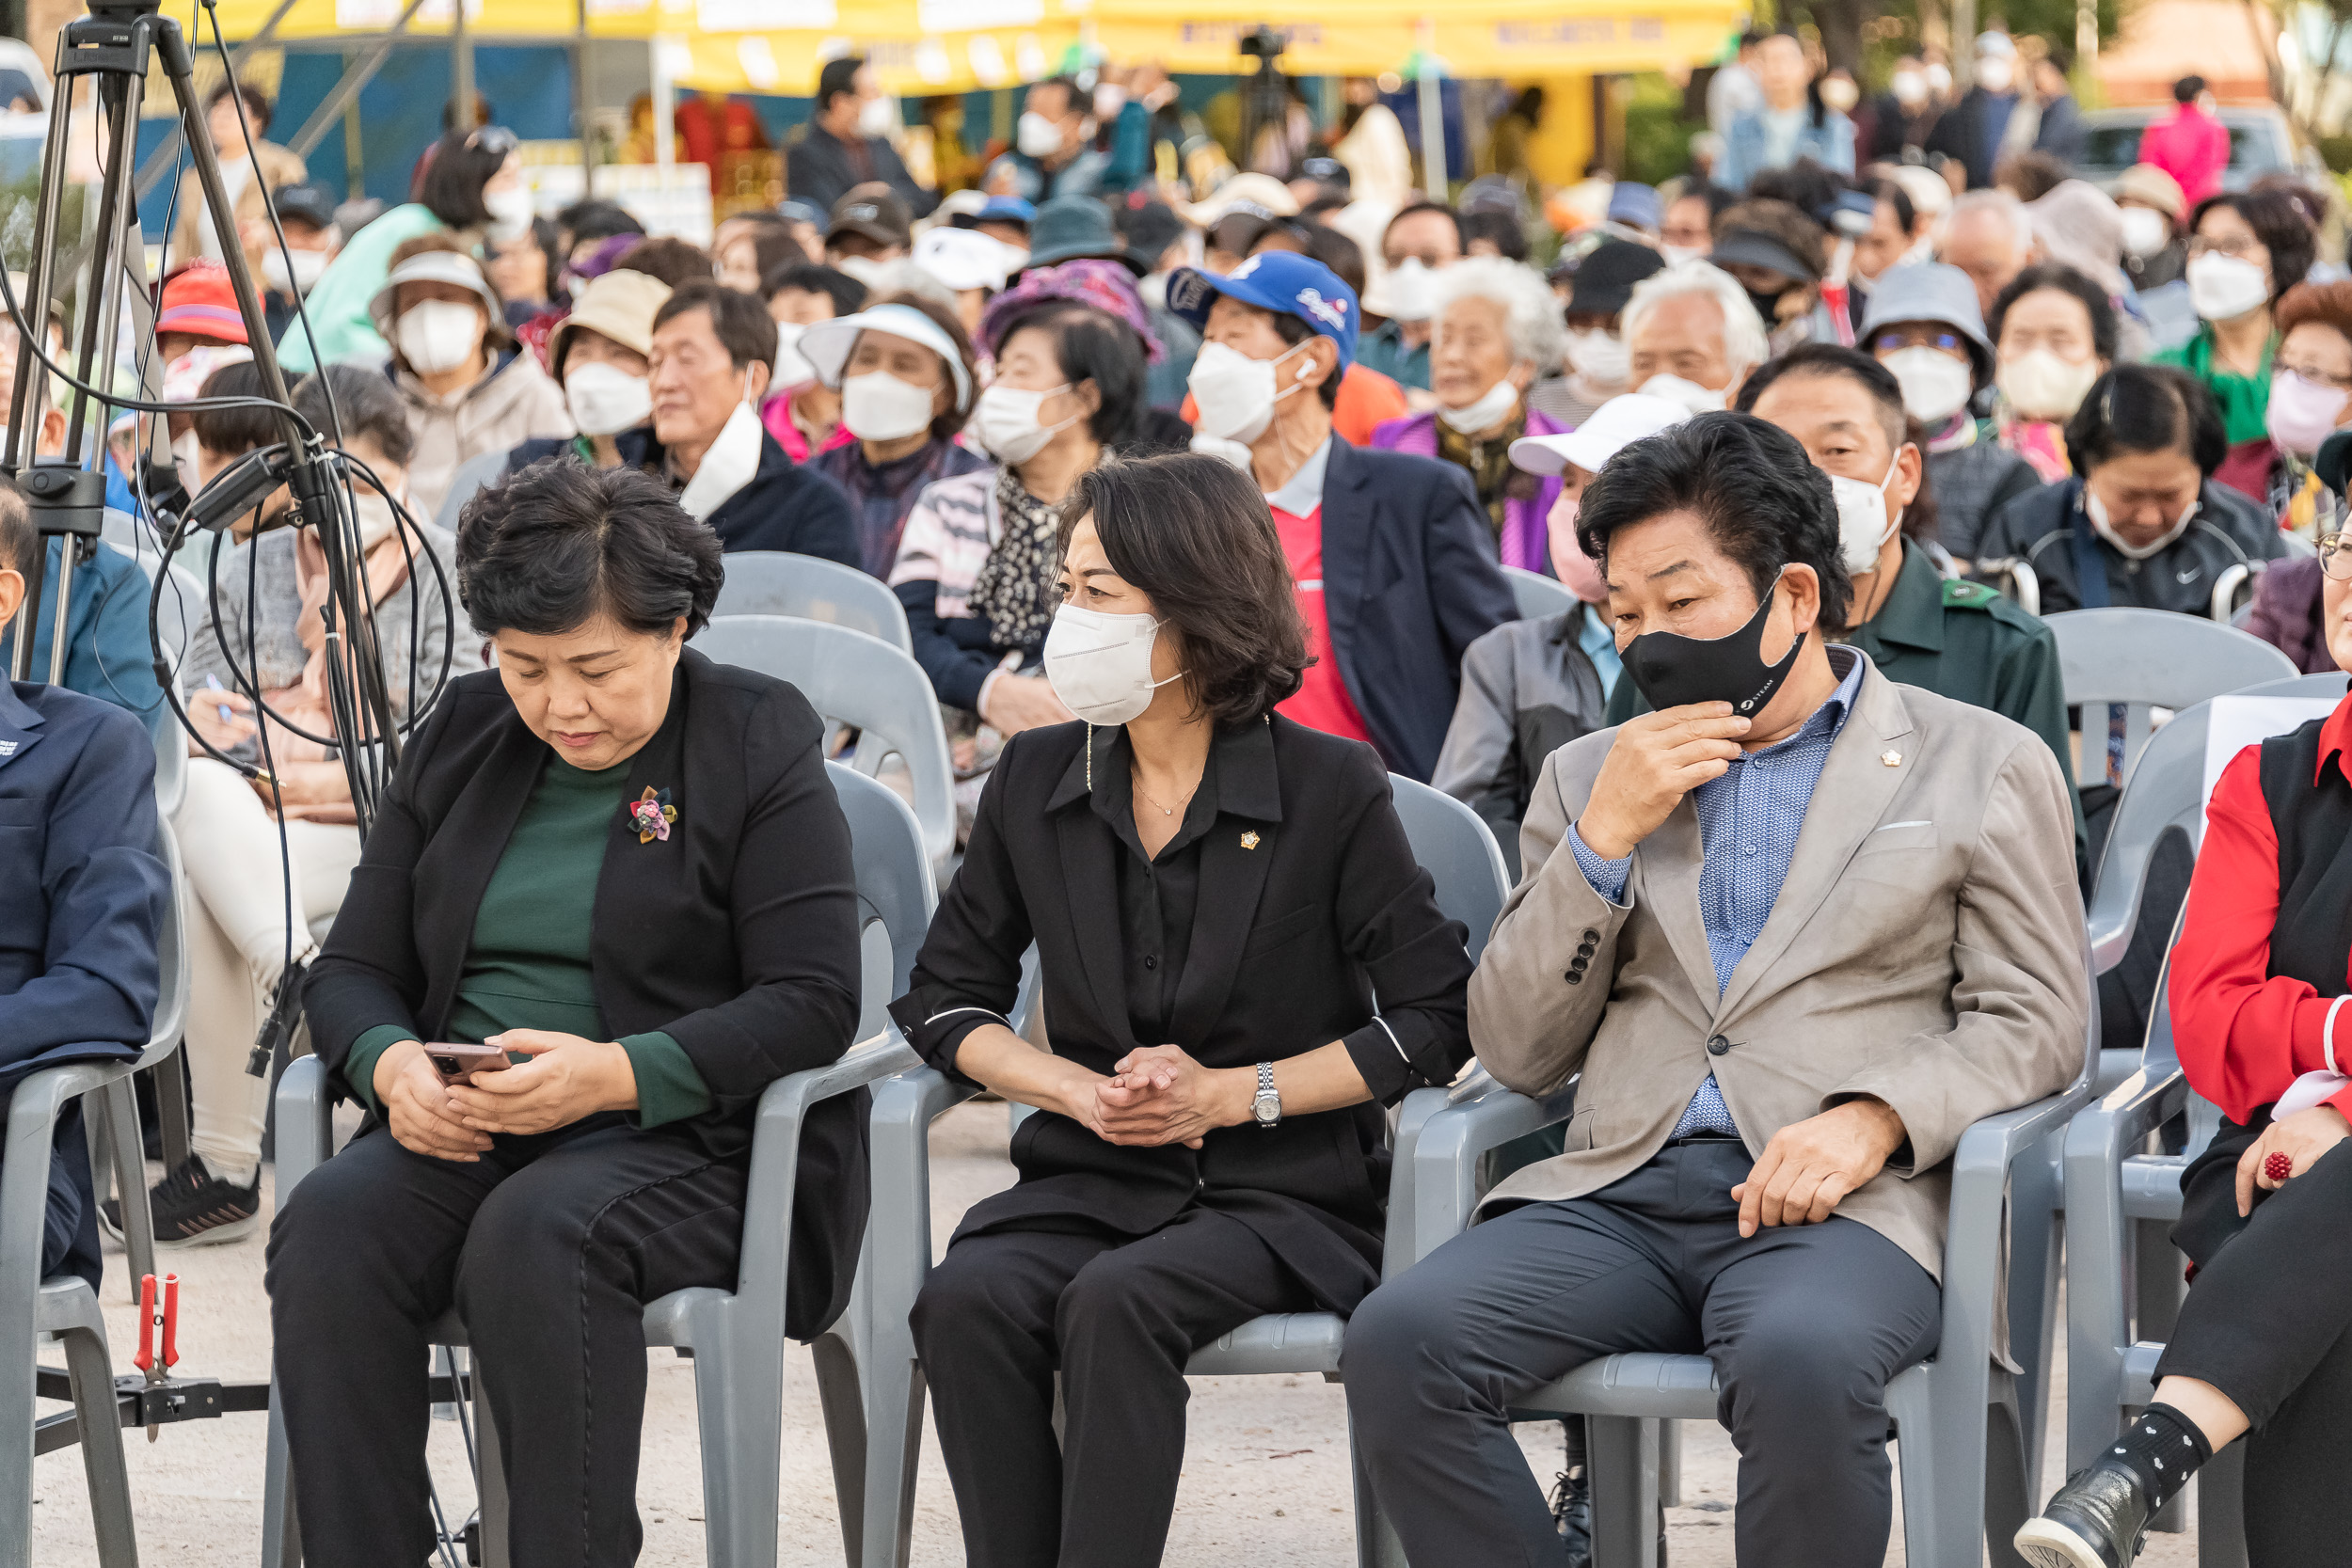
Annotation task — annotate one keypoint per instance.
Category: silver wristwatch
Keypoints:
(1266, 1105)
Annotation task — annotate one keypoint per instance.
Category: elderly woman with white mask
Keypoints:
(469, 389)
(1497, 329)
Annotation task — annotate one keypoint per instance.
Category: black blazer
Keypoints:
(1312, 916)
(738, 935)
(1410, 581)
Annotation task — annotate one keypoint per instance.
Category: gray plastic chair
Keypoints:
(736, 1338)
(472, 476)
(1458, 852)
(1539, 596)
(810, 588)
(2142, 659)
(1970, 1428)
(864, 683)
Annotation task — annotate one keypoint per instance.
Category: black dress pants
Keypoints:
(1117, 1316)
(547, 1248)
(1804, 1323)
(2268, 1322)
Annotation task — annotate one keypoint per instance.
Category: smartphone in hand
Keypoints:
(457, 1064)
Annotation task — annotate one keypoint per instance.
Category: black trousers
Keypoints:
(548, 1248)
(1117, 1317)
(1804, 1323)
(2268, 1322)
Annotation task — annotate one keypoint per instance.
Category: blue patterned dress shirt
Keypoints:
(1749, 819)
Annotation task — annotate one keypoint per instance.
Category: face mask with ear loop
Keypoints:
(1674, 671)
(1862, 529)
(1235, 393)
(2103, 525)
(731, 463)
(1099, 664)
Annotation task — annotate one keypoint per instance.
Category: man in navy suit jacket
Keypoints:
(1393, 559)
(85, 899)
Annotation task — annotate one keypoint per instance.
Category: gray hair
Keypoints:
(2000, 204)
(1746, 345)
(1538, 334)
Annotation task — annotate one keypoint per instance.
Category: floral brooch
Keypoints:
(651, 815)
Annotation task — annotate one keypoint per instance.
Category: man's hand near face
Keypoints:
(1656, 760)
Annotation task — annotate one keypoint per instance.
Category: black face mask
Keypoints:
(1672, 670)
(1766, 306)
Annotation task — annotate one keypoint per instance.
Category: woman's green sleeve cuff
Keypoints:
(359, 1061)
(667, 1086)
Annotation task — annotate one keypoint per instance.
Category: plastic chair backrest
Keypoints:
(473, 475)
(1457, 850)
(895, 891)
(171, 956)
(2143, 658)
(777, 582)
(862, 682)
(1538, 595)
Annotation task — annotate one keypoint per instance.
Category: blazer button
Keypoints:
(1591, 935)
(1586, 949)
(1718, 1046)
(1150, 962)
(1573, 977)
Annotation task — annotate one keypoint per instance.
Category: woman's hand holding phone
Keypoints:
(418, 1109)
(568, 1078)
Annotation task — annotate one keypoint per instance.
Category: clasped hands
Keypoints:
(1158, 1094)
(568, 1078)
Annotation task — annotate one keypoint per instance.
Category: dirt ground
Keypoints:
(1265, 1467)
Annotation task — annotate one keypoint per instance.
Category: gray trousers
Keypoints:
(1804, 1324)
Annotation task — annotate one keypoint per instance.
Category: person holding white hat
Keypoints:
(1530, 686)
(467, 388)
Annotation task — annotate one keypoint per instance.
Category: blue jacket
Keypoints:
(1829, 144)
(1410, 581)
(78, 927)
(107, 654)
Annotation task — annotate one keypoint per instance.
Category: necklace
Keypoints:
(1164, 810)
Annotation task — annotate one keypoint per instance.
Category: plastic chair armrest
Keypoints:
(784, 1106)
(33, 1112)
(1440, 1177)
(306, 1126)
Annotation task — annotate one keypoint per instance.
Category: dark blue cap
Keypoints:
(1282, 282)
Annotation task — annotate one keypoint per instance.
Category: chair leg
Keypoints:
(100, 1426)
(738, 1395)
(281, 1537)
(119, 1109)
(1670, 1463)
(171, 1109)
(843, 1401)
(2221, 1509)
(489, 1477)
(1932, 1523)
(1623, 1456)
(2009, 1480)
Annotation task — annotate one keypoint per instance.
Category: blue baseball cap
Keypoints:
(1005, 209)
(1282, 282)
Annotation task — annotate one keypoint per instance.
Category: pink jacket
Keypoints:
(1526, 534)
(776, 414)
(2192, 146)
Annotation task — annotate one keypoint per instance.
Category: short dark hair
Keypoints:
(597, 219)
(1717, 198)
(1343, 256)
(1090, 345)
(562, 542)
(2186, 89)
(1504, 228)
(2066, 280)
(675, 262)
(1294, 331)
(739, 321)
(17, 539)
(1749, 481)
(809, 278)
(1892, 193)
(946, 426)
(240, 429)
(257, 105)
(1886, 393)
(1193, 532)
(772, 245)
(1807, 185)
(2281, 221)
(366, 404)
(2137, 408)
(452, 181)
(2031, 175)
(1425, 206)
(838, 79)
(1072, 97)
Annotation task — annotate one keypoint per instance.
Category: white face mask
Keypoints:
(301, 278)
(1911, 88)
(1996, 75)
(1037, 136)
(1863, 528)
(2145, 232)
(607, 400)
(511, 213)
(2103, 525)
(1099, 665)
(1697, 399)
(878, 407)
(1677, 254)
(1935, 385)
(439, 335)
(730, 464)
(2223, 287)
(1235, 393)
(1600, 357)
(792, 366)
(372, 512)
(2041, 385)
(875, 118)
(1410, 290)
(1491, 408)
(1007, 423)
(184, 458)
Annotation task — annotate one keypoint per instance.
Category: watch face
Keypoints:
(1266, 1107)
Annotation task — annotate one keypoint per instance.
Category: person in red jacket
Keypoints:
(2193, 147)
(2262, 1348)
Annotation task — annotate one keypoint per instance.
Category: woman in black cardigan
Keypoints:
(1220, 899)
(625, 865)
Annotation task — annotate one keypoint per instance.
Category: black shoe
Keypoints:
(2098, 1520)
(1572, 1512)
(194, 1208)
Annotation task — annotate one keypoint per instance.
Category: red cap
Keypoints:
(198, 301)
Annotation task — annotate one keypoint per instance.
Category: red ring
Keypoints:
(2277, 1168)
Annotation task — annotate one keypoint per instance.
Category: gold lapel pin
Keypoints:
(1249, 839)
(1892, 759)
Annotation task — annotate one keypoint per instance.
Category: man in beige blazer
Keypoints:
(1796, 930)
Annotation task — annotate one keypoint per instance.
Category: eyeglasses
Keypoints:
(497, 140)
(2334, 559)
(1887, 342)
(2310, 373)
(2237, 249)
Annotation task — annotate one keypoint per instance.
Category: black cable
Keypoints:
(269, 769)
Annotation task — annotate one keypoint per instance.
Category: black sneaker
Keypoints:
(1572, 1513)
(194, 1208)
(2099, 1519)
